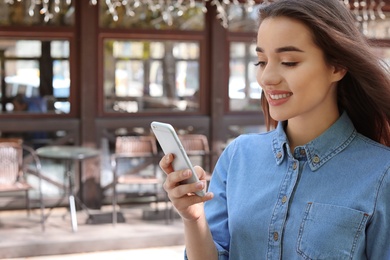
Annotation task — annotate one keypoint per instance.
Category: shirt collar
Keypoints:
(321, 149)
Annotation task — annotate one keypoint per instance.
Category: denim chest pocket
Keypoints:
(330, 232)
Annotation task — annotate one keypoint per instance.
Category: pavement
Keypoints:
(161, 253)
(144, 234)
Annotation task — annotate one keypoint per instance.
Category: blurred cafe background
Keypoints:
(82, 73)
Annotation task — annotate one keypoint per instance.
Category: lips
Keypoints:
(277, 98)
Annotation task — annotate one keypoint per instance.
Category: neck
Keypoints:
(300, 130)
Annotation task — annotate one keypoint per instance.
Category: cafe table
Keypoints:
(69, 155)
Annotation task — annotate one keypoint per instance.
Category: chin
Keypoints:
(279, 117)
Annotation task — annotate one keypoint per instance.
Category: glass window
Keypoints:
(144, 76)
(243, 17)
(375, 25)
(236, 130)
(43, 13)
(35, 76)
(22, 48)
(153, 14)
(244, 91)
(60, 49)
(384, 53)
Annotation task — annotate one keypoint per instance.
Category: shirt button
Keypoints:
(302, 152)
(279, 155)
(294, 165)
(284, 199)
(316, 159)
(276, 236)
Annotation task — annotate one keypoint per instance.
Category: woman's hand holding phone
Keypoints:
(181, 194)
(185, 184)
(186, 188)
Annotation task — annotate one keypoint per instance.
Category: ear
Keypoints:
(338, 73)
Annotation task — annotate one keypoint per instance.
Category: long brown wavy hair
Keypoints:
(364, 92)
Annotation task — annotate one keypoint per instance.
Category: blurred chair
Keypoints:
(197, 146)
(15, 163)
(141, 152)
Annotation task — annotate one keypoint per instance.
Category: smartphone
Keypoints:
(170, 143)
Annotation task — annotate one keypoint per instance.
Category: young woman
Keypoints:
(318, 185)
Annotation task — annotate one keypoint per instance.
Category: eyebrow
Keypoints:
(282, 49)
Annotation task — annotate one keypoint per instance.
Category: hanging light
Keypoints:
(365, 11)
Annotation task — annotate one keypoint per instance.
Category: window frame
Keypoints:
(48, 34)
(234, 37)
(151, 35)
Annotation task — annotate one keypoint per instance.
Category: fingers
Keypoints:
(183, 200)
(177, 189)
(190, 206)
(192, 199)
(174, 181)
(182, 195)
(200, 172)
(166, 163)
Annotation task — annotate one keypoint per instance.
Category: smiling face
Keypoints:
(297, 82)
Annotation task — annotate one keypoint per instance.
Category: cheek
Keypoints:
(258, 76)
(307, 79)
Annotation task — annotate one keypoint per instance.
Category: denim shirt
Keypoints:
(328, 200)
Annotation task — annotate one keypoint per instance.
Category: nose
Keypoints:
(268, 75)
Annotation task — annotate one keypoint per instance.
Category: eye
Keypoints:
(290, 64)
(260, 63)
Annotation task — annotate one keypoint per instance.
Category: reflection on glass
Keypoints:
(242, 20)
(36, 139)
(236, 130)
(35, 76)
(153, 14)
(58, 13)
(186, 50)
(384, 53)
(143, 76)
(22, 48)
(60, 49)
(244, 91)
(378, 28)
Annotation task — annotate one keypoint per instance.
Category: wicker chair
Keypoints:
(197, 146)
(141, 152)
(14, 165)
